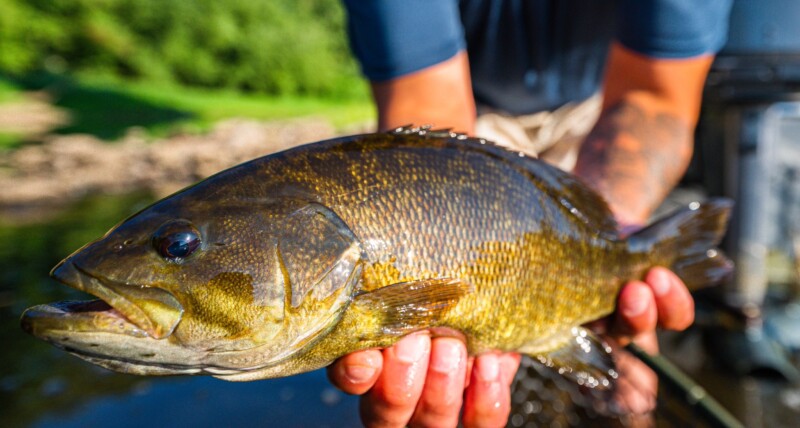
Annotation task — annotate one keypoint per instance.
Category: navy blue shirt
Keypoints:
(528, 55)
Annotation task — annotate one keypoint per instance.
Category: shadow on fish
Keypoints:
(281, 265)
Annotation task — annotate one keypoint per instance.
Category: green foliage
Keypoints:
(275, 47)
(8, 91)
(10, 140)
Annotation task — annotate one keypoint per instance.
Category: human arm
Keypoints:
(642, 143)
(440, 96)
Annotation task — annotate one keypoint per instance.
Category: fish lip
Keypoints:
(123, 298)
(82, 327)
(63, 315)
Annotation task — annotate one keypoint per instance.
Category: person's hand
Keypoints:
(660, 300)
(421, 382)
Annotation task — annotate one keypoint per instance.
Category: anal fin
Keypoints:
(579, 355)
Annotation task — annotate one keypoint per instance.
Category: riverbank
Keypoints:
(39, 179)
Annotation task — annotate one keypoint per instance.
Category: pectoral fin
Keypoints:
(406, 307)
(578, 355)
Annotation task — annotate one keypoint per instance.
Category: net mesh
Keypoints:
(542, 398)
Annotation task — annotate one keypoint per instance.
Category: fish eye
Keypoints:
(176, 240)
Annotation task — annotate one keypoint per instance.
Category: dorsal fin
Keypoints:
(427, 131)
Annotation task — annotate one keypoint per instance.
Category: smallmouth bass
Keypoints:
(282, 264)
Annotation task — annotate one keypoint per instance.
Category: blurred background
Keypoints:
(107, 105)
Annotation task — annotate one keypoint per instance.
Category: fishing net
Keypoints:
(542, 398)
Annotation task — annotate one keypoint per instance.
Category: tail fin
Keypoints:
(686, 241)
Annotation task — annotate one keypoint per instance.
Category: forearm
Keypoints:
(634, 156)
(440, 96)
(642, 143)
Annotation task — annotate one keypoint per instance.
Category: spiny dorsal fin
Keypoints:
(427, 131)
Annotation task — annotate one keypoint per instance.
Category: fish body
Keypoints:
(285, 263)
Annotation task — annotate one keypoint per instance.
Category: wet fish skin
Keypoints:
(347, 244)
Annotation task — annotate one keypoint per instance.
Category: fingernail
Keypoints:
(449, 355)
(488, 367)
(635, 305)
(508, 368)
(661, 282)
(410, 349)
(358, 373)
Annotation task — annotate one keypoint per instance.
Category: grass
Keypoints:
(107, 107)
(211, 106)
(199, 108)
(10, 140)
(9, 91)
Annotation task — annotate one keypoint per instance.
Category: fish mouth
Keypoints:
(129, 309)
(77, 316)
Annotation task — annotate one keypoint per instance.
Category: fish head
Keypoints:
(192, 285)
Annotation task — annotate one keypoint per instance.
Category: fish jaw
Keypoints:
(151, 310)
(94, 331)
(127, 331)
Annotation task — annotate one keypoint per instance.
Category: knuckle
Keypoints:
(441, 403)
(435, 414)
